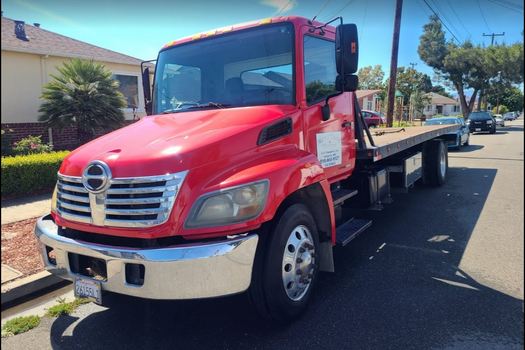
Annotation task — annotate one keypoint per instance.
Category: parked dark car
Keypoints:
(462, 134)
(372, 119)
(481, 121)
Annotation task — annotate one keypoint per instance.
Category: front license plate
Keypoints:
(478, 129)
(85, 288)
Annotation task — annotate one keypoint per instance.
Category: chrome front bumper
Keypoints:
(198, 270)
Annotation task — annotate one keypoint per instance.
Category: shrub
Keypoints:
(30, 173)
(20, 325)
(502, 110)
(31, 145)
(63, 308)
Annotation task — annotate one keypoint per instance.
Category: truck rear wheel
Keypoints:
(435, 162)
(285, 274)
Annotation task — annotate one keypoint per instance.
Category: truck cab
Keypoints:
(232, 182)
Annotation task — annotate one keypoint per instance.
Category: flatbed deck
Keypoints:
(389, 141)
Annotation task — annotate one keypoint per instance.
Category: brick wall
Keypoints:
(65, 139)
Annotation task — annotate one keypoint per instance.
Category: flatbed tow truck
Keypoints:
(236, 180)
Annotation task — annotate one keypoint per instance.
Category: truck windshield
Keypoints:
(245, 68)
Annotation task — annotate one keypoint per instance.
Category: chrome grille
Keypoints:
(128, 202)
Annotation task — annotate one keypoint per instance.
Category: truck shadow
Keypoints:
(469, 148)
(397, 286)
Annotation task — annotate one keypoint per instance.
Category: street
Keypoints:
(440, 268)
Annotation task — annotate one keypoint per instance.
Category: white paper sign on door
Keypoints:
(329, 148)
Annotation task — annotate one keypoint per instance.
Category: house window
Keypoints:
(319, 68)
(369, 105)
(129, 87)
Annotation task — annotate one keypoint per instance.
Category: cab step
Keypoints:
(350, 230)
(341, 195)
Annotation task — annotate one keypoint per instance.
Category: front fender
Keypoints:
(288, 170)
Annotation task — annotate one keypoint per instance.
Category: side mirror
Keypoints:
(346, 49)
(146, 87)
(349, 83)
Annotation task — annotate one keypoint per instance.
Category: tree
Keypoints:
(467, 66)
(418, 101)
(371, 78)
(438, 89)
(510, 96)
(409, 80)
(501, 109)
(83, 94)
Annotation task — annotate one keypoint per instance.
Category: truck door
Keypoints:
(333, 140)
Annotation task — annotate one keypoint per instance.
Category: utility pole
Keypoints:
(410, 104)
(493, 35)
(393, 64)
(482, 96)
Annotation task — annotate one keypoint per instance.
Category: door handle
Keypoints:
(346, 124)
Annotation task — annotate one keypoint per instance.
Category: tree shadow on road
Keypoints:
(398, 286)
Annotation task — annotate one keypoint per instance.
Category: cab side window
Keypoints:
(319, 68)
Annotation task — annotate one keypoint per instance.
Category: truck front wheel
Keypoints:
(284, 278)
(435, 162)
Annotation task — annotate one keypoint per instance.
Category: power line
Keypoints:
(483, 16)
(518, 10)
(283, 9)
(457, 17)
(510, 4)
(445, 17)
(321, 9)
(451, 33)
(342, 8)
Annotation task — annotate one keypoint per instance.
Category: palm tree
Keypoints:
(85, 95)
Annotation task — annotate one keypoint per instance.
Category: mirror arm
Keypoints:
(325, 109)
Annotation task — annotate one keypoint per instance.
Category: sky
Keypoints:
(141, 28)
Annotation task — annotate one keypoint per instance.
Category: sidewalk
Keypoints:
(14, 210)
(22, 268)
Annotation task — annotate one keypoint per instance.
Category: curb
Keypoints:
(28, 285)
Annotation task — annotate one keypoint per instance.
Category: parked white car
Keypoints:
(499, 120)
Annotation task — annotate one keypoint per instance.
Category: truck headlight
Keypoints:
(54, 200)
(228, 206)
(489, 121)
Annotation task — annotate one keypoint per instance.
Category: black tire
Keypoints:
(493, 130)
(434, 152)
(467, 143)
(267, 291)
(458, 147)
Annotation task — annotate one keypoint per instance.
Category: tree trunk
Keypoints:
(480, 99)
(472, 100)
(465, 108)
(462, 100)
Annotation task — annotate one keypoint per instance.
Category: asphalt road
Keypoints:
(439, 269)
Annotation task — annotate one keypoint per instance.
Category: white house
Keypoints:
(441, 105)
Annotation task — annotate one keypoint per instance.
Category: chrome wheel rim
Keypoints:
(298, 265)
(442, 164)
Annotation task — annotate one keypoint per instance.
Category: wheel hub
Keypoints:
(298, 265)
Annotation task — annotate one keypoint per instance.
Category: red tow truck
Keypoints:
(236, 180)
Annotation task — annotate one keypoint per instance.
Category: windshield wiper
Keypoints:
(173, 110)
(209, 105)
(196, 106)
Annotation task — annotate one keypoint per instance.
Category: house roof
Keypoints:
(366, 93)
(44, 42)
(438, 99)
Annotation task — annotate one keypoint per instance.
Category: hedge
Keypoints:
(31, 173)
